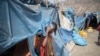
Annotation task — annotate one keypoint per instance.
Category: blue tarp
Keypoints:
(65, 35)
(69, 13)
(18, 22)
(59, 42)
(80, 22)
(78, 39)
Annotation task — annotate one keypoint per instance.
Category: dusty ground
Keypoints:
(92, 49)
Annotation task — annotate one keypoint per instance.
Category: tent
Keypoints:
(19, 22)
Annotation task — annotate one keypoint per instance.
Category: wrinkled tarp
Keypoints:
(69, 13)
(66, 20)
(78, 40)
(88, 15)
(80, 22)
(18, 22)
(44, 3)
(66, 23)
(91, 18)
(65, 35)
(59, 48)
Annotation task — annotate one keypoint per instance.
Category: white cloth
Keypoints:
(65, 23)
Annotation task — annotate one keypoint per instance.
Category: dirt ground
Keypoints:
(92, 49)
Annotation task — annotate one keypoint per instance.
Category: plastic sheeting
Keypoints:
(59, 48)
(80, 22)
(78, 39)
(66, 19)
(44, 3)
(18, 22)
(66, 23)
(65, 35)
(69, 13)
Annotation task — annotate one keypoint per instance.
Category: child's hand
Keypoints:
(48, 30)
